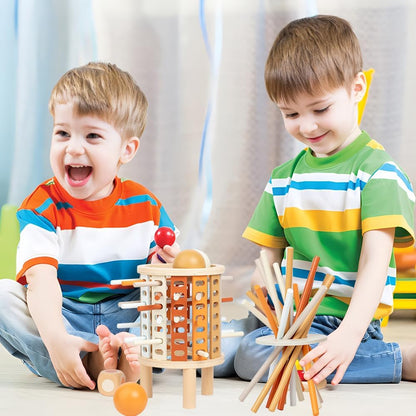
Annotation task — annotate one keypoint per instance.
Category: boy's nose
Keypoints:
(74, 147)
(308, 127)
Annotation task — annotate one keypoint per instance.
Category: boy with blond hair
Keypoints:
(80, 230)
(342, 198)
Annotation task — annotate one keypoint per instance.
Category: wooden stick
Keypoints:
(287, 307)
(285, 313)
(289, 268)
(273, 389)
(316, 299)
(255, 300)
(308, 285)
(279, 278)
(296, 297)
(311, 386)
(267, 310)
(270, 283)
(304, 328)
(256, 313)
(272, 378)
(285, 378)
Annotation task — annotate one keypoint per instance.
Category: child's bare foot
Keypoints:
(409, 363)
(129, 362)
(109, 346)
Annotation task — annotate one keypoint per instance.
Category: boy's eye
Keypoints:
(62, 133)
(322, 110)
(291, 115)
(93, 136)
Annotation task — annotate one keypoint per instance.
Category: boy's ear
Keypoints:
(129, 149)
(359, 86)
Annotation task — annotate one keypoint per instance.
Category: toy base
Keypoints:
(189, 376)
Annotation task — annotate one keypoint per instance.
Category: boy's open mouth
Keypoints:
(77, 175)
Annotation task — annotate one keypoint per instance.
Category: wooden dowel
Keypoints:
(253, 297)
(308, 285)
(296, 297)
(272, 378)
(262, 318)
(289, 268)
(149, 307)
(285, 378)
(316, 299)
(269, 282)
(273, 389)
(311, 385)
(266, 308)
(279, 278)
(285, 313)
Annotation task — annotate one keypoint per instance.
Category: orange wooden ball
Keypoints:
(130, 399)
(191, 259)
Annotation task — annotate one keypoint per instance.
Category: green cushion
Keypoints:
(9, 237)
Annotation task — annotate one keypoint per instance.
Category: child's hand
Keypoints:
(166, 254)
(65, 358)
(335, 353)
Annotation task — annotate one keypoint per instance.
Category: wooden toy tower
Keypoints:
(180, 322)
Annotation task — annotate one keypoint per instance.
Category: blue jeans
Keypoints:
(229, 346)
(375, 360)
(19, 335)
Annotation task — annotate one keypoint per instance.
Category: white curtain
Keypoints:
(213, 136)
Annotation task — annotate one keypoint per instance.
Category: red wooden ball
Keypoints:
(164, 236)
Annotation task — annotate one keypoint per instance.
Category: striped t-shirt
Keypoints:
(89, 242)
(323, 206)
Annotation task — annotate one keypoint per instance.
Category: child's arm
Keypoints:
(337, 352)
(44, 298)
(274, 255)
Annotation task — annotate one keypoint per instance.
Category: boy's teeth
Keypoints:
(78, 173)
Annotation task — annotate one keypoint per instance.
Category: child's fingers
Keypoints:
(312, 355)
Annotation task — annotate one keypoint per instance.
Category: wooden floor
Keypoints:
(23, 394)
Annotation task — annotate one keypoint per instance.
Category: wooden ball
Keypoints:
(191, 259)
(130, 399)
(109, 380)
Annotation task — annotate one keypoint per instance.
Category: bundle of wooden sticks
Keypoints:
(290, 332)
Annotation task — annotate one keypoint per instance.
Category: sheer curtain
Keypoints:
(40, 41)
(212, 136)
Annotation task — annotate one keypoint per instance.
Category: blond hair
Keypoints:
(312, 55)
(103, 90)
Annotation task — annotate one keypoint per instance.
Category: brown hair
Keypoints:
(104, 90)
(312, 55)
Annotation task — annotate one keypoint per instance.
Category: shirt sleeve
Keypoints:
(388, 202)
(38, 243)
(264, 227)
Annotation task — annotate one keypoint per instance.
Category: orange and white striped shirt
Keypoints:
(89, 242)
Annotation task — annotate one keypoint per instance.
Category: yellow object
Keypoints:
(404, 296)
(191, 259)
(9, 237)
(361, 105)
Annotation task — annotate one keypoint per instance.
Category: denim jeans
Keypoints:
(19, 335)
(229, 346)
(375, 360)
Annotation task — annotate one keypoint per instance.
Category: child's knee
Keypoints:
(250, 356)
(11, 294)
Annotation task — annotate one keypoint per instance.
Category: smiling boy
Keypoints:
(342, 198)
(80, 230)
